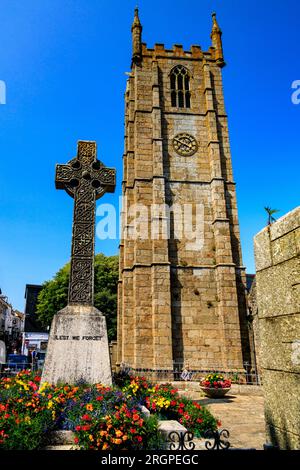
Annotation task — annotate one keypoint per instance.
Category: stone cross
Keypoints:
(85, 179)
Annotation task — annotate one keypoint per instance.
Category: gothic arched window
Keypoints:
(180, 87)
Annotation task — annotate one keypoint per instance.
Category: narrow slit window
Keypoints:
(180, 87)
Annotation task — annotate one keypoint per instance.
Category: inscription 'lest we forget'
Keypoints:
(77, 338)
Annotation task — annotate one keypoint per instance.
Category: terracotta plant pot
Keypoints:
(215, 392)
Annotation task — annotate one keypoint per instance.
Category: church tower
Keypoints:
(182, 283)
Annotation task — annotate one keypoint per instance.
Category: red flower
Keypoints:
(33, 385)
(139, 438)
(173, 403)
(135, 417)
(132, 430)
(99, 398)
(196, 405)
(86, 427)
(86, 418)
(77, 428)
(76, 440)
(37, 378)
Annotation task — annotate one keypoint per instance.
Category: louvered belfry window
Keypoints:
(180, 87)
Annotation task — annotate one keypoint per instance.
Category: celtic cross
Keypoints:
(85, 179)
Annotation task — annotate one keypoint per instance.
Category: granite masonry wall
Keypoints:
(277, 257)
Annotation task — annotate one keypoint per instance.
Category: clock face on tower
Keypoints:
(185, 144)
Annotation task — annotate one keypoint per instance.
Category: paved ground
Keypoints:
(242, 415)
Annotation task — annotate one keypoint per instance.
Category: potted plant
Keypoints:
(215, 385)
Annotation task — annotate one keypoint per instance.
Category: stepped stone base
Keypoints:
(78, 347)
(168, 426)
(64, 440)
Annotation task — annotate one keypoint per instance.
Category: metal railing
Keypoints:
(247, 376)
(12, 369)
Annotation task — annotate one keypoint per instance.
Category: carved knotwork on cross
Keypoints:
(85, 179)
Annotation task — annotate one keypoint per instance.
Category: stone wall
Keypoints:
(254, 327)
(277, 257)
(113, 352)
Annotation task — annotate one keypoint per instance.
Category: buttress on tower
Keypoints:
(182, 284)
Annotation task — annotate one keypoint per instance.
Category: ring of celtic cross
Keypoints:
(99, 177)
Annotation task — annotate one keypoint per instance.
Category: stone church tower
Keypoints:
(182, 291)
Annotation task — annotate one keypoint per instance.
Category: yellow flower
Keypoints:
(119, 433)
(105, 446)
(89, 407)
(27, 419)
(43, 386)
(50, 404)
(91, 437)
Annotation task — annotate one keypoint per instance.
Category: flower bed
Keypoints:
(101, 417)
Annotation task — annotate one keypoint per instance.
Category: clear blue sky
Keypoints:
(64, 64)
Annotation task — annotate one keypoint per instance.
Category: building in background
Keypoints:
(4, 306)
(11, 325)
(35, 336)
(32, 323)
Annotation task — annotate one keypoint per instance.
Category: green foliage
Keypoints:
(26, 436)
(153, 439)
(270, 213)
(54, 295)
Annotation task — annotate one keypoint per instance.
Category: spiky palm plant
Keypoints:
(270, 213)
